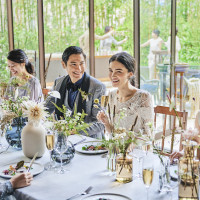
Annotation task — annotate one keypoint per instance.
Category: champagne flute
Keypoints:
(50, 140)
(104, 101)
(138, 153)
(147, 172)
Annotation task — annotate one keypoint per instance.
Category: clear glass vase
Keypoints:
(111, 160)
(124, 168)
(68, 152)
(164, 174)
(188, 173)
(13, 135)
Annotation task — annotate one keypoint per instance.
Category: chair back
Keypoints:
(183, 121)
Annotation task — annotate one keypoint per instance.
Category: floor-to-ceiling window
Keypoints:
(155, 25)
(115, 17)
(4, 74)
(188, 33)
(26, 29)
(64, 23)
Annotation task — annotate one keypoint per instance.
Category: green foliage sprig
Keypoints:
(70, 124)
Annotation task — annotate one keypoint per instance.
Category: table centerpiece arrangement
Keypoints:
(69, 124)
(13, 120)
(33, 133)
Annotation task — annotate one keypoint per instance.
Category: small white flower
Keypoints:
(68, 113)
(55, 94)
(49, 125)
(172, 104)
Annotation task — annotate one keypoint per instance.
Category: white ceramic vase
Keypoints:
(33, 139)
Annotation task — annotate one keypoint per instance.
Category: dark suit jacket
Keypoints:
(95, 91)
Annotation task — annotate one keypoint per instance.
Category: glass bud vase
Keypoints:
(111, 160)
(67, 153)
(124, 168)
(13, 135)
(164, 174)
(188, 173)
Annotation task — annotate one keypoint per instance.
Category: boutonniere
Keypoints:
(84, 95)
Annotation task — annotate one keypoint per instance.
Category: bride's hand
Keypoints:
(102, 117)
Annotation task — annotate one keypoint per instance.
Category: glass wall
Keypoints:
(113, 32)
(4, 74)
(155, 25)
(64, 23)
(26, 29)
(188, 27)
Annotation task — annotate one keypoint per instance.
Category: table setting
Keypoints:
(71, 166)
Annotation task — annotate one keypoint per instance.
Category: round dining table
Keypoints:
(83, 171)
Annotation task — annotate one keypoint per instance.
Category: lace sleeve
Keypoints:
(145, 111)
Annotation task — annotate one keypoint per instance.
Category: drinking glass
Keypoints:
(61, 147)
(147, 172)
(138, 153)
(104, 101)
(50, 141)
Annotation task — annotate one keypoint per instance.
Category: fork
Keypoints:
(80, 194)
(5, 150)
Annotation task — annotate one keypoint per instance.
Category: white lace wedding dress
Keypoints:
(139, 111)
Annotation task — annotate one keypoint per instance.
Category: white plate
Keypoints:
(37, 168)
(78, 148)
(107, 196)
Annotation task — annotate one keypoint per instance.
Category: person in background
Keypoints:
(178, 45)
(22, 72)
(84, 39)
(18, 181)
(138, 103)
(196, 138)
(155, 44)
(105, 45)
(74, 62)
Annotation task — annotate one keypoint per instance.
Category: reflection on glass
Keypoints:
(155, 68)
(113, 32)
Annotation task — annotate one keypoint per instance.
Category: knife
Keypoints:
(79, 142)
(32, 161)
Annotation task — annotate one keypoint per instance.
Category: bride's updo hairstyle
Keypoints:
(19, 56)
(128, 61)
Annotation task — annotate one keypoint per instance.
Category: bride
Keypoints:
(136, 104)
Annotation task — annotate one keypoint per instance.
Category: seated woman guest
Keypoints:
(22, 75)
(17, 181)
(138, 103)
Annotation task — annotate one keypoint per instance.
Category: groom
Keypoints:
(74, 62)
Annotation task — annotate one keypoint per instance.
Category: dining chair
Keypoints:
(166, 112)
(151, 86)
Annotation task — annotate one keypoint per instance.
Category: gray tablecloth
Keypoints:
(84, 171)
